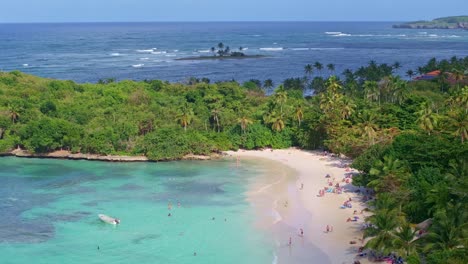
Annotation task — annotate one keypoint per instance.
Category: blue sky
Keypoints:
(221, 10)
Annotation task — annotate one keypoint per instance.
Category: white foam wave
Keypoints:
(146, 50)
(203, 51)
(138, 65)
(256, 35)
(175, 50)
(341, 35)
(275, 259)
(144, 58)
(115, 54)
(272, 49)
(333, 32)
(170, 55)
(158, 52)
(300, 48)
(433, 35)
(25, 65)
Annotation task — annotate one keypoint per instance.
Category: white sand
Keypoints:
(311, 168)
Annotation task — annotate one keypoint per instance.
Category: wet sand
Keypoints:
(284, 208)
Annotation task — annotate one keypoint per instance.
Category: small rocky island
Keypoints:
(453, 22)
(223, 52)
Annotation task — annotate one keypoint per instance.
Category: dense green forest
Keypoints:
(408, 138)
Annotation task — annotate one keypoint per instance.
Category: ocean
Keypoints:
(87, 52)
(50, 213)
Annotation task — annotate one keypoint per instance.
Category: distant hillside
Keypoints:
(453, 22)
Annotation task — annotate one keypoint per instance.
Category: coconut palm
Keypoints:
(268, 83)
(390, 168)
(347, 108)
(448, 230)
(244, 122)
(333, 84)
(396, 65)
(13, 111)
(213, 50)
(368, 127)
(384, 222)
(427, 119)
(215, 112)
(308, 70)
(280, 97)
(318, 66)
(331, 68)
(371, 90)
(459, 124)
(299, 114)
(399, 89)
(185, 116)
(404, 242)
(410, 73)
(276, 120)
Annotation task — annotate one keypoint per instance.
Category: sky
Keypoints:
(12, 11)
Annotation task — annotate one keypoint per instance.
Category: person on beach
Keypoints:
(290, 241)
(328, 228)
(302, 186)
(302, 232)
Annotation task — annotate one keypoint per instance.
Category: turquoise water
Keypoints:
(49, 213)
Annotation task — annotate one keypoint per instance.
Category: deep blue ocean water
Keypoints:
(86, 52)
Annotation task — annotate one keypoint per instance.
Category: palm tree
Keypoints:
(221, 46)
(268, 83)
(427, 120)
(13, 111)
(368, 127)
(276, 120)
(244, 122)
(410, 73)
(396, 65)
(318, 66)
(299, 114)
(399, 89)
(215, 115)
(448, 230)
(185, 116)
(388, 174)
(280, 97)
(404, 241)
(333, 84)
(384, 222)
(459, 123)
(331, 68)
(227, 50)
(308, 69)
(348, 108)
(371, 90)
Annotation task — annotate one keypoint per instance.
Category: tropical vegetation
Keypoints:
(408, 138)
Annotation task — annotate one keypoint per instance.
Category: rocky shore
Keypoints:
(64, 154)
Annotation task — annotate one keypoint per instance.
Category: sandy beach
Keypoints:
(292, 208)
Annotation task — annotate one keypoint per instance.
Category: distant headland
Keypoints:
(224, 52)
(453, 22)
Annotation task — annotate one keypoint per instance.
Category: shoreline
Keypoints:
(65, 154)
(302, 208)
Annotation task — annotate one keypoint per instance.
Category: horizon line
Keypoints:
(199, 21)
